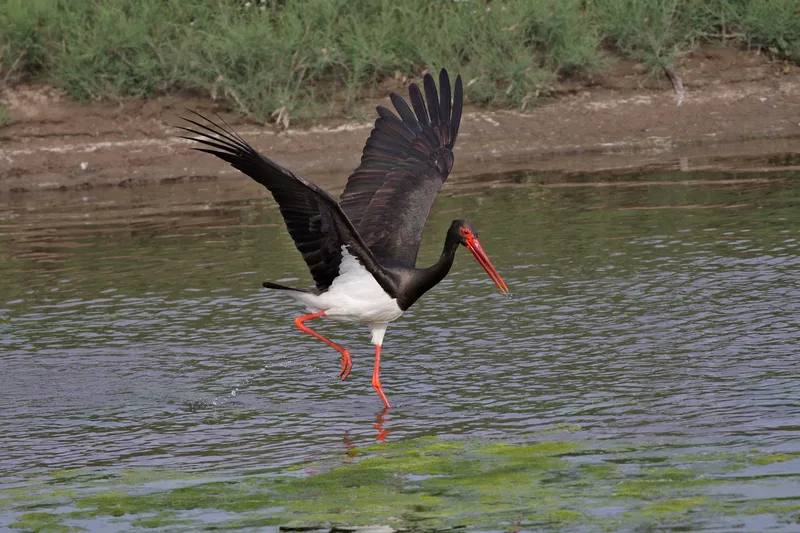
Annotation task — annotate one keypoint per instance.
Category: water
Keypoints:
(652, 317)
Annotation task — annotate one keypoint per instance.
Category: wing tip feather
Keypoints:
(458, 106)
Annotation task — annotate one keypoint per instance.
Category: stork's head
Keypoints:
(467, 236)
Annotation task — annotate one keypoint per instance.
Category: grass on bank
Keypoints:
(313, 58)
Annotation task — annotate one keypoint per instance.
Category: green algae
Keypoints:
(773, 458)
(43, 523)
(426, 484)
(160, 520)
(773, 506)
(657, 482)
(741, 459)
(528, 451)
(673, 506)
(234, 497)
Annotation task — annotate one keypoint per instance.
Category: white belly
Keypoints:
(354, 296)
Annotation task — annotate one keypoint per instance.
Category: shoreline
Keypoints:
(55, 144)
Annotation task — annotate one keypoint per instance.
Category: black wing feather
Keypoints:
(444, 102)
(433, 100)
(415, 95)
(404, 164)
(314, 219)
(409, 119)
(455, 116)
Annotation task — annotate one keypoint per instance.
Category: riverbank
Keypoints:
(740, 111)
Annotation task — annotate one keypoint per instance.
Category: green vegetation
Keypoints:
(424, 484)
(43, 522)
(312, 58)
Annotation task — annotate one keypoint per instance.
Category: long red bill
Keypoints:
(474, 246)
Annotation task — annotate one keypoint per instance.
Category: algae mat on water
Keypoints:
(430, 484)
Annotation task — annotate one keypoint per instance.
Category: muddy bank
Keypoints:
(740, 114)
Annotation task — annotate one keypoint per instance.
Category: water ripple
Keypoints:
(153, 345)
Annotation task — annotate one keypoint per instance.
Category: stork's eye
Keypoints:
(466, 233)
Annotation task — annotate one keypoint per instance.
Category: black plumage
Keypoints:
(404, 164)
(314, 219)
(386, 202)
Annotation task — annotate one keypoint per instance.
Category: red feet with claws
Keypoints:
(347, 363)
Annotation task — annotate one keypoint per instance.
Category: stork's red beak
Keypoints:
(474, 246)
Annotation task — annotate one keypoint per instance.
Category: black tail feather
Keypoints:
(268, 285)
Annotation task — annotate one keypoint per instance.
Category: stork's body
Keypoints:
(354, 296)
(362, 250)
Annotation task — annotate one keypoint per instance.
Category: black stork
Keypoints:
(362, 251)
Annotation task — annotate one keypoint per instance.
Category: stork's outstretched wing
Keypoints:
(314, 219)
(404, 164)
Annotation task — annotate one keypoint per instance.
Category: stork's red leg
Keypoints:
(347, 363)
(376, 376)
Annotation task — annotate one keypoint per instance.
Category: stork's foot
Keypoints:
(376, 384)
(347, 365)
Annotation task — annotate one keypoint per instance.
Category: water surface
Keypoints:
(653, 318)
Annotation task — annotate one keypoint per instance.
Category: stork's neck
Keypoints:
(424, 279)
(440, 269)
